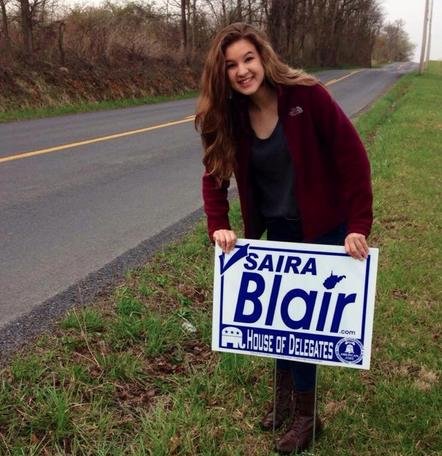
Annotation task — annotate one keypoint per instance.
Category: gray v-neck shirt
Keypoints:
(273, 175)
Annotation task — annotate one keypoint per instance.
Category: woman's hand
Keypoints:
(226, 239)
(356, 246)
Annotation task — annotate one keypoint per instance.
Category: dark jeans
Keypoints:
(288, 230)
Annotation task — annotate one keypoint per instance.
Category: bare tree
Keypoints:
(26, 27)
(61, 29)
(304, 32)
(393, 44)
(32, 13)
(184, 42)
(5, 25)
(324, 32)
(239, 11)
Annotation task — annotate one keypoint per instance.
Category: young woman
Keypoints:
(302, 175)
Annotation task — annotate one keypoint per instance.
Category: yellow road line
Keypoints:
(334, 81)
(126, 133)
(93, 140)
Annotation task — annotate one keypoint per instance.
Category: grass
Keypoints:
(74, 108)
(130, 376)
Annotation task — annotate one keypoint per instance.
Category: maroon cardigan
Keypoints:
(332, 171)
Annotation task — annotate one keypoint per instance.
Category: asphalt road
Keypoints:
(72, 220)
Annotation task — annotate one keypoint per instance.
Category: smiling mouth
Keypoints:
(245, 82)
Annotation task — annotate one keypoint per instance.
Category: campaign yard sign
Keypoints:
(295, 301)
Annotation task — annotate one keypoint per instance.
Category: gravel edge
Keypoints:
(22, 331)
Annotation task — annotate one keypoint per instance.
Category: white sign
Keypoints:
(295, 301)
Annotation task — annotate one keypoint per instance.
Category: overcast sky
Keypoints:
(411, 11)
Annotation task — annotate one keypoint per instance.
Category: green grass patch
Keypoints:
(74, 108)
(134, 374)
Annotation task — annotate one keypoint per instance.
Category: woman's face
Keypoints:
(244, 67)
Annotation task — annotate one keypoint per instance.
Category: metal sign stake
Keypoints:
(274, 401)
(315, 410)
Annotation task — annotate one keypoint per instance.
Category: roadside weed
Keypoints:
(88, 320)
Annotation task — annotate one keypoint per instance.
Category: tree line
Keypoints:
(309, 33)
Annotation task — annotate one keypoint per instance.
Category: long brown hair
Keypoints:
(217, 103)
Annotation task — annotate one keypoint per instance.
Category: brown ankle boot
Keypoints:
(283, 401)
(300, 434)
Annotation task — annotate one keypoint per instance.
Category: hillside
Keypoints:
(47, 85)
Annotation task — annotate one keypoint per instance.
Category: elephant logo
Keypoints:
(231, 337)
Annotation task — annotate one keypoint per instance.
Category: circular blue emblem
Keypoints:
(349, 350)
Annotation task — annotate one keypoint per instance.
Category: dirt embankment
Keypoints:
(46, 85)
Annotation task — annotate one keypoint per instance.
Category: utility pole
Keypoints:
(427, 58)
(424, 39)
